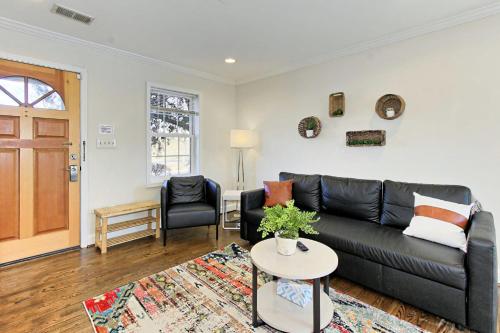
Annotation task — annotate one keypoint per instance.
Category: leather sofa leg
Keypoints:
(164, 236)
(217, 231)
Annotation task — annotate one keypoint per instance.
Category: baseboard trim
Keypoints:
(18, 261)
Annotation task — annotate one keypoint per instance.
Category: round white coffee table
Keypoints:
(317, 263)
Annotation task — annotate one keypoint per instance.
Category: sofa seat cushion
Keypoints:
(389, 247)
(190, 215)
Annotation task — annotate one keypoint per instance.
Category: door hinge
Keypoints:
(78, 76)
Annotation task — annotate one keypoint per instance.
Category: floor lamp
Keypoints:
(241, 139)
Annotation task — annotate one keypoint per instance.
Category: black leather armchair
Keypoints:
(180, 208)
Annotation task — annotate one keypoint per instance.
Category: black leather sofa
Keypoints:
(363, 220)
(190, 202)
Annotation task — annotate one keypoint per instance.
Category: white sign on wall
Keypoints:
(106, 129)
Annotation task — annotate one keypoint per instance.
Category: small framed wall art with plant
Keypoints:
(309, 127)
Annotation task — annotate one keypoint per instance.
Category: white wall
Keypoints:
(117, 95)
(449, 133)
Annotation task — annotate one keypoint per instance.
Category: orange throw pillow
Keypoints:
(278, 193)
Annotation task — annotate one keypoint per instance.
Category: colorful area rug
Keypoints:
(213, 293)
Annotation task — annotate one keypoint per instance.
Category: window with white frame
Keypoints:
(172, 134)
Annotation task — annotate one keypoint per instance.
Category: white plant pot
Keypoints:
(285, 246)
(309, 133)
(390, 112)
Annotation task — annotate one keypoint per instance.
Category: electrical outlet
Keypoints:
(106, 143)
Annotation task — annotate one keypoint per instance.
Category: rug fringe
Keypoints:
(90, 317)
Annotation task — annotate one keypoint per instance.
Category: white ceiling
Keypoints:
(265, 36)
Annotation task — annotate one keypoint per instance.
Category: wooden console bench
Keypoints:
(103, 227)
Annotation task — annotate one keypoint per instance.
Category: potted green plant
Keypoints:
(310, 126)
(286, 222)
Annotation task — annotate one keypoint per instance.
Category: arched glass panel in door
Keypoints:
(29, 92)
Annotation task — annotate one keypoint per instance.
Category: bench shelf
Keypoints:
(103, 227)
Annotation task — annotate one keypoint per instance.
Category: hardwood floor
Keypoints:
(45, 295)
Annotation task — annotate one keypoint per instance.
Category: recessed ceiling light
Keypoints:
(230, 60)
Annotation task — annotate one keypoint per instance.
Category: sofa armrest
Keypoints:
(213, 196)
(164, 203)
(250, 200)
(482, 273)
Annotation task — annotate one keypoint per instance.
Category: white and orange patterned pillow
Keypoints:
(440, 221)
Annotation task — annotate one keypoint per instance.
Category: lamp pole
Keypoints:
(241, 167)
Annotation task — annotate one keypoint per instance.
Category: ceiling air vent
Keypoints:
(72, 14)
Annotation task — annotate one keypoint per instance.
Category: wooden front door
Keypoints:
(39, 141)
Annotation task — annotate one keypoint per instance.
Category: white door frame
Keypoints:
(84, 214)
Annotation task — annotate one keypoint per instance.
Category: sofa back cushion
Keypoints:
(306, 190)
(186, 189)
(355, 198)
(398, 203)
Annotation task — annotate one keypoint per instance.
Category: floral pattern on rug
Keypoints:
(213, 293)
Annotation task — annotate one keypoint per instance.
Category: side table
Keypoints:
(230, 196)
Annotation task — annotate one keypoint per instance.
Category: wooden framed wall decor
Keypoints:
(309, 127)
(365, 138)
(390, 106)
(337, 104)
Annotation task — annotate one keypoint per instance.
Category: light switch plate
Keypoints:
(106, 143)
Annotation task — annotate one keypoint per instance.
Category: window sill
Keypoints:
(154, 185)
(160, 183)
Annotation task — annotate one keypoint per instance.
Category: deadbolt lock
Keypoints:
(73, 173)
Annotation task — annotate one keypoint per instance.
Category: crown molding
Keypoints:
(434, 26)
(31, 30)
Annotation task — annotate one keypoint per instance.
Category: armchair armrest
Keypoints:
(164, 203)
(250, 200)
(482, 273)
(213, 197)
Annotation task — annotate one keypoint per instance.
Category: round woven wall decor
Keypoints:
(390, 101)
(303, 126)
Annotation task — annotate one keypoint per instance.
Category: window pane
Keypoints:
(157, 146)
(176, 102)
(53, 102)
(171, 146)
(184, 146)
(154, 100)
(14, 85)
(37, 89)
(169, 124)
(184, 165)
(155, 122)
(6, 100)
(171, 132)
(172, 165)
(158, 168)
(183, 123)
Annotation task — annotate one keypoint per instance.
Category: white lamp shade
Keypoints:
(242, 138)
